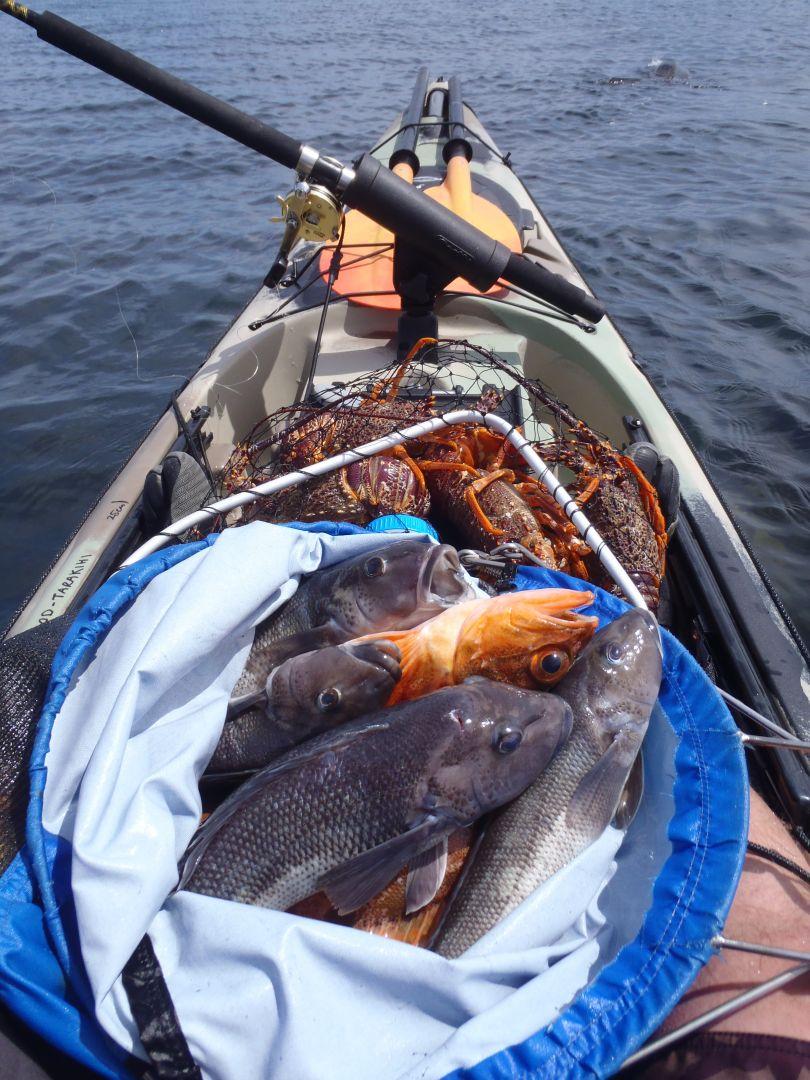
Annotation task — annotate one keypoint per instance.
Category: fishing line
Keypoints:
(39, 180)
(232, 386)
(140, 378)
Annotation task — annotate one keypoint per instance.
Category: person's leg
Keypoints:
(771, 1038)
(771, 907)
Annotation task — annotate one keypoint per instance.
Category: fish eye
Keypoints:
(328, 699)
(549, 666)
(374, 567)
(507, 741)
(552, 662)
(613, 652)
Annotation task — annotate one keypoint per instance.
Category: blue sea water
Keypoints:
(129, 236)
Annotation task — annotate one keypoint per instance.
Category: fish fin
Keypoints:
(412, 656)
(241, 704)
(305, 641)
(425, 875)
(596, 796)
(360, 879)
(630, 798)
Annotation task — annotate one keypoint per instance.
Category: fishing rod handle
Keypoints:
(454, 242)
(554, 288)
(164, 87)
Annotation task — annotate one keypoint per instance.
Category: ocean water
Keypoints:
(129, 236)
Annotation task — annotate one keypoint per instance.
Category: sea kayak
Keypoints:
(721, 603)
(348, 303)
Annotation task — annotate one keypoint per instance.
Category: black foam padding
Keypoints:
(176, 488)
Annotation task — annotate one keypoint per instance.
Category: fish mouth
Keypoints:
(539, 726)
(441, 580)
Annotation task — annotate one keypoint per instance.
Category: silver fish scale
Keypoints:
(248, 743)
(314, 816)
(525, 843)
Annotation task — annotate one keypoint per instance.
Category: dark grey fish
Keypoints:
(611, 688)
(395, 586)
(303, 697)
(347, 810)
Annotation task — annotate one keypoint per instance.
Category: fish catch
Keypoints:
(304, 696)
(611, 689)
(527, 638)
(396, 585)
(347, 810)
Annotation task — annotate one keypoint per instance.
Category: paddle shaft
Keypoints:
(457, 144)
(375, 190)
(404, 152)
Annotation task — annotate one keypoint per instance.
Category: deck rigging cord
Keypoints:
(505, 159)
(538, 307)
(779, 859)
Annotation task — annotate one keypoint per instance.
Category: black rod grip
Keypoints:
(405, 146)
(552, 287)
(167, 88)
(454, 242)
(423, 222)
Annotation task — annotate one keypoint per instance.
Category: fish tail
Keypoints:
(411, 660)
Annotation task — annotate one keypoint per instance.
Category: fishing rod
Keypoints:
(367, 185)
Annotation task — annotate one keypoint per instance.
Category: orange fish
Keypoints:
(528, 639)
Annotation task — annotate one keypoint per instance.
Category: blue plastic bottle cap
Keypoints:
(400, 523)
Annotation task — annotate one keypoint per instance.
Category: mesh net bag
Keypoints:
(469, 481)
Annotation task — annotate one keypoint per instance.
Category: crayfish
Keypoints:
(489, 504)
(386, 483)
(621, 503)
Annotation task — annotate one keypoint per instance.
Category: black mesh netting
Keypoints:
(441, 377)
(25, 667)
(469, 482)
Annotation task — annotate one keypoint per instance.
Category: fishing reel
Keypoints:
(310, 212)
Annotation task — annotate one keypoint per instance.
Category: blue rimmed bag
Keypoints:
(582, 974)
